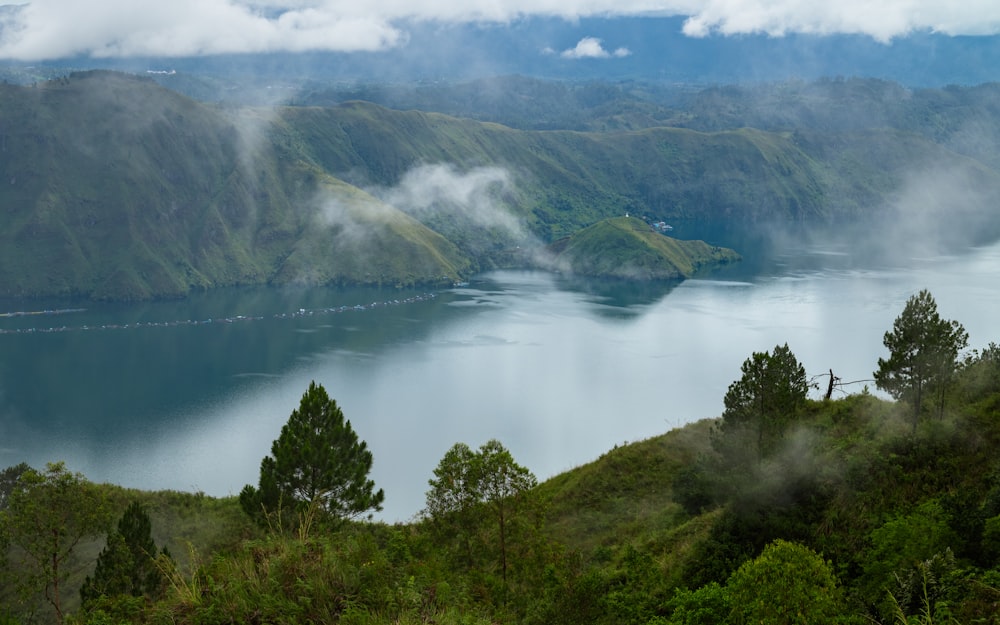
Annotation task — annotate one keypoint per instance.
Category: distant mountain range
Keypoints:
(114, 186)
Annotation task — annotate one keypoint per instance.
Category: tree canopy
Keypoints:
(766, 397)
(788, 584)
(923, 352)
(472, 485)
(49, 513)
(127, 565)
(317, 462)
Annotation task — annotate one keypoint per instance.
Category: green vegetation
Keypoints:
(115, 187)
(127, 565)
(473, 488)
(848, 515)
(628, 248)
(47, 517)
(771, 391)
(317, 467)
(923, 351)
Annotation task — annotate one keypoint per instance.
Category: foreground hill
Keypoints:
(115, 187)
(853, 515)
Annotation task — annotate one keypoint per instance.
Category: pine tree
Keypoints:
(766, 397)
(317, 463)
(923, 352)
(127, 564)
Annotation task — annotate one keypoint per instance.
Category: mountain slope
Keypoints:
(115, 187)
(119, 188)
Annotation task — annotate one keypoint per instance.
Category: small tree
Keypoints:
(470, 484)
(454, 493)
(923, 352)
(767, 396)
(502, 484)
(788, 584)
(48, 514)
(127, 565)
(317, 463)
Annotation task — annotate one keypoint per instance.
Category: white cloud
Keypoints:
(441, 190)
(592, 48)
(41, 29)
(884, 20)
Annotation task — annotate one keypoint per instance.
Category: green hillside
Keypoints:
(118, 188)
(853, 515)
(115, 187)
(628, 248)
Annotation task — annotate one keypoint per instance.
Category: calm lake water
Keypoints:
(155, 396)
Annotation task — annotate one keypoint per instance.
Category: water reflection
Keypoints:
(619, 299)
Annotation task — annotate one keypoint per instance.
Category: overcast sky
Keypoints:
(52, 29)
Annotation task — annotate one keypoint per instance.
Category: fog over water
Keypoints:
(559, 371)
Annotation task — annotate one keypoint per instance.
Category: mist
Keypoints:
(474, 208)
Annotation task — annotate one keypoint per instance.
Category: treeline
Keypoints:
(786, 509)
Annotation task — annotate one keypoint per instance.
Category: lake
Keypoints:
(188, 395)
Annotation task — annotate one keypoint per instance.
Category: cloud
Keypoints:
(882, 21)
(592, 48)
(47, 29)
(440, 191)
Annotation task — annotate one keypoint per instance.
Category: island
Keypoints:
(628, 248)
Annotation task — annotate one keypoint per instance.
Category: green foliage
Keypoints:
(980, 373)
(8, 481)
(454, 497)
(118, 188)
(669, 530)
(697, 487)
(635, 591)
(787, 584)
(482, 486)
(127, 564)
(991, 539)
(316, 464)
(764, 401)
(903, 544)
(48, 515)
(348, 578)
(707, 605)
(923, 353)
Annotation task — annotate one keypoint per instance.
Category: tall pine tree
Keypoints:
(317, 463)
(923, 353)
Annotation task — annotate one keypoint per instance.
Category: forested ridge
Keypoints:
(809, 500)
(116, 187)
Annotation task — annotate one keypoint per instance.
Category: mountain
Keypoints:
(628, 248)
(115, 187)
